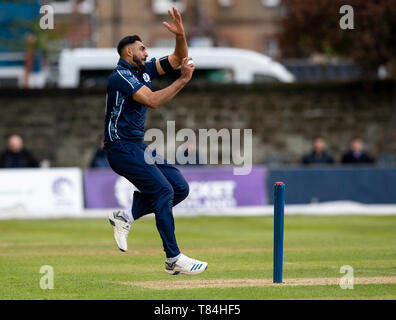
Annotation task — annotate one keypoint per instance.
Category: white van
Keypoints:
(85, 67)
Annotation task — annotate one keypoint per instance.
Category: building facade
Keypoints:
(252, 24)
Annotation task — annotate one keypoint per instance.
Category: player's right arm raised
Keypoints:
(154, 99)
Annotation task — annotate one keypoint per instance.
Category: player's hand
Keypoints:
(177, 23)
(187, 69)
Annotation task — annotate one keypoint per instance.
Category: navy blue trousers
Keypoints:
(161, 186)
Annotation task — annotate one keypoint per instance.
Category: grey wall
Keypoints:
(63, 125)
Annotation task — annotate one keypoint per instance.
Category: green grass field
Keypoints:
(87, 264)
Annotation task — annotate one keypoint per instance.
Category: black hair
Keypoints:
(125, 41)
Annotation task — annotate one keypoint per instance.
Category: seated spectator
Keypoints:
(356, 154)
(16, 156)
(319, 154)
(99, 160)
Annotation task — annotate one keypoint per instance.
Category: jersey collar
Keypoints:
(125, 64)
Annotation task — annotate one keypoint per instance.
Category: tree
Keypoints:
(313, 27)
(40, 41)
(20, 31)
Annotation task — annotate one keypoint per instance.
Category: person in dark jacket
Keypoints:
(16, 156)
(356, 153)
(319, 154)
(99, 159)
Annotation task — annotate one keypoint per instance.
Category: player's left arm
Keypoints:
(181, 49)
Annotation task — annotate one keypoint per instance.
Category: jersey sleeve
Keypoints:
(151, 68)
(127, 82)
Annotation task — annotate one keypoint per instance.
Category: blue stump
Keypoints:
(279, 206)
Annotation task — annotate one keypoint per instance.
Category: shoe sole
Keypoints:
(175, 273)
(113, 225)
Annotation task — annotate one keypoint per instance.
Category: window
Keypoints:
(66, 6)
(201, 42)
(226, 3)
(9, 82)
(270, 3)
(271, 47)
(162, 6)
(201, 76)
(263, 78)
(94, 78)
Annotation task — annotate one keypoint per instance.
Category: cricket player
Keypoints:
(161, 185)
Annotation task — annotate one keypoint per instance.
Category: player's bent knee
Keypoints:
(166, 191)
(185, 191)
(163, 202)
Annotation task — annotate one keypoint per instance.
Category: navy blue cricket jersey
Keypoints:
(125, 117)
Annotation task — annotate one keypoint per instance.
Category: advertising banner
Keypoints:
(359, 184)
(211, 189)
(41, 191)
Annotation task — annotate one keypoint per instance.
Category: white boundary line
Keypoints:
(318, 209)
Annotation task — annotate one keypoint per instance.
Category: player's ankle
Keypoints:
(128, 215)
(173, 259)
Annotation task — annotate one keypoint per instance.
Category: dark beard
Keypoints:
(140, 65)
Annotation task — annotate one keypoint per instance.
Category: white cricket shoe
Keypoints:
(121, 228)
(185, 265)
